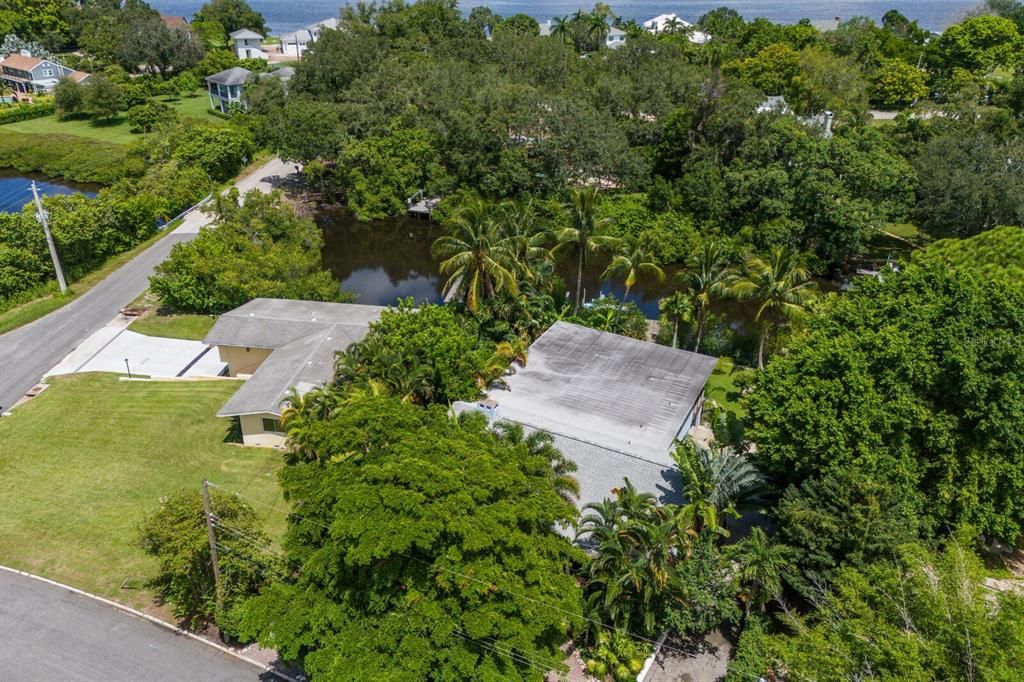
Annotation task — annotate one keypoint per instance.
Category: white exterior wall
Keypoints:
(254, 435)
(250, 48)
(294, 49)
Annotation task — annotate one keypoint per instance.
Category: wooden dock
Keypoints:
(424, 207)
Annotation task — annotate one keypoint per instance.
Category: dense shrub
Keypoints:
(260, 248)
(64, 156)
(145, 117)
(24, 112)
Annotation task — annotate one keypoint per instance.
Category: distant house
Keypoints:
(277, 345)
(615, 39)
(27, 75)
(227, 87)
(664, 23)
(777, 104)
(296, 43)
(175, 22)
(826, 25)
(248, 44)
(614, 405)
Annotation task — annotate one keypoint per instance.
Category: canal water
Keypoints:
(16, 188)
(384, 261)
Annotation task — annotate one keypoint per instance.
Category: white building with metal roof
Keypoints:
(276, 345)
(248, 44)
(615, 406)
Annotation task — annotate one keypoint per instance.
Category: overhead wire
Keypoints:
(489, 585)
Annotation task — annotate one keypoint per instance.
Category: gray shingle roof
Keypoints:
(614, 406)
(246, 34)
(605, 389)
(236, 75)
(305, 336)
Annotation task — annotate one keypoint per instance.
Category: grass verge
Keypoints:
(116, 130)
(171, 326)
(33, 310)
(73, 497)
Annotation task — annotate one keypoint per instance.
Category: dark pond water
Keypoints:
(385, 261)
(16, 188)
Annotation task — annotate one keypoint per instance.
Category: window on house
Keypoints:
(272, 425)
(47, 72)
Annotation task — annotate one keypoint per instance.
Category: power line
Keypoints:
(250, 543)
(489, 585)
(514, 656)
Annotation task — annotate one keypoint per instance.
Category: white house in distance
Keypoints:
(665, 22)
(248, 44)
(614, 405)
(776, 104)
(26, 75)
(615, 39)
(296, 43)
(276, 345)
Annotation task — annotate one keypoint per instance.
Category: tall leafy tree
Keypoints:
(585, 233)
(778, 286)
(232, 15)
(764, 565)
(428, 551)
(705, 279)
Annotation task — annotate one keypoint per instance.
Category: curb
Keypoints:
(156, 621)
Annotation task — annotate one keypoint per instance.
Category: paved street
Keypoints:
(28, 352)
(50, 633)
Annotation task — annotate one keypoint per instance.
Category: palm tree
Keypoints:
(763, 566)
(596, 29)
(717, 483)
(672, 25)
(584, 235)
(629, 581)
(300, 412)
(677, 307)
(630, 265)
(477, 257)
(779, 285)
(518, 222)
(706, 274)
(561, 28)
(542, 443)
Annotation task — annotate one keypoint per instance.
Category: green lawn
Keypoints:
(117, 130)
(195, 105)
(192, 327)
(722, 387)
(84, 462)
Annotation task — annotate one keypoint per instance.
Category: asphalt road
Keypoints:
(50, 633)
(28, 352)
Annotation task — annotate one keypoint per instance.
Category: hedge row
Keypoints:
(64, 156)
(24, 112)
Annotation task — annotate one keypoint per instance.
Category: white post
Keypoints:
(41, 217)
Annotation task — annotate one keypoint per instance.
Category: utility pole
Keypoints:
(41, 217)
(213, 543)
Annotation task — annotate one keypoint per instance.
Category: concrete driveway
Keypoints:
(30, 351)
(48, 632)
(108, 348)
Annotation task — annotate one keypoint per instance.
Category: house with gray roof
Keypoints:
(227, 88)
(26, 75)
(276, 345)
(248, 44)
(614, 405)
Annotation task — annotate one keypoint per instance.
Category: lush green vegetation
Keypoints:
(62, 155)
(174, 326)
(255, 248)
(996, 254)
(160, 176)
(72, 510)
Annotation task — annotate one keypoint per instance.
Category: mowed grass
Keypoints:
(722, 388)
(195, 105)
(83, 463)
(116, 130)
(191, 327)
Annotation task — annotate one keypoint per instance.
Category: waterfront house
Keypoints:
(175, 22)
(664, 23)
(296, 43)
(248, 44)
(277, 345)
(27, 75)
(614, 405)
